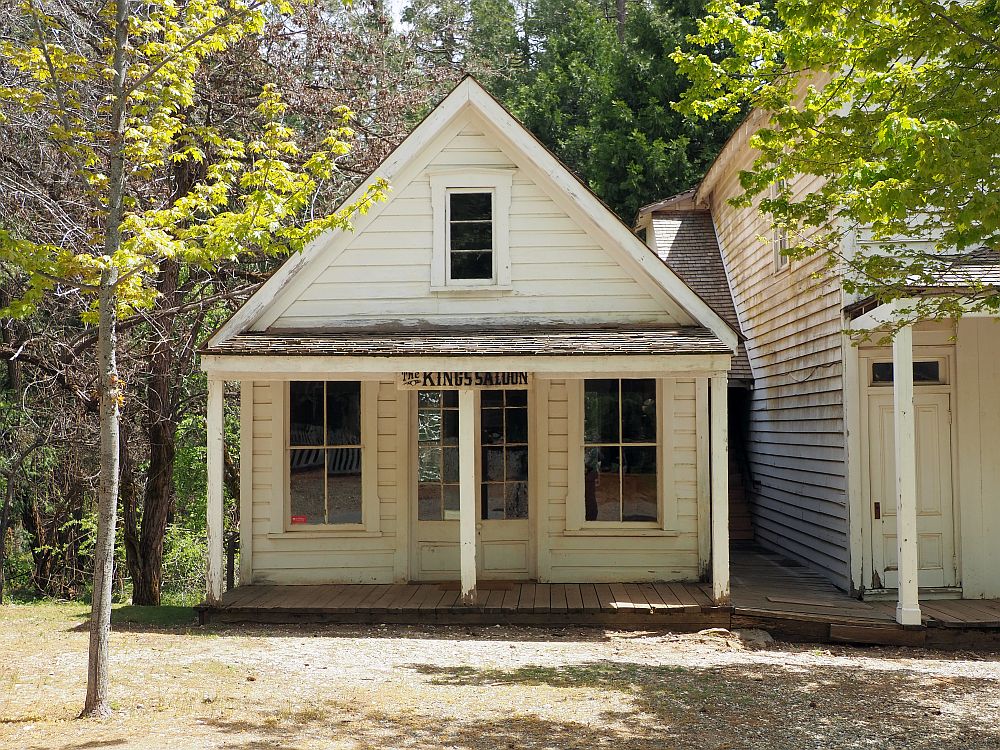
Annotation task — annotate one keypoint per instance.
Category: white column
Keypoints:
(467, 492)
(719, 395)
(215, 446)
(908, 604)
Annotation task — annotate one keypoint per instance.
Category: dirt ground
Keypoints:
(180, 686)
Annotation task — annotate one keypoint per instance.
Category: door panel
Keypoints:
(935, 498)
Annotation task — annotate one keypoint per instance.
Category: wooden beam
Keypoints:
(467, 492)
(908, 604)
(215, 446)
(719, 393)
(246, 482)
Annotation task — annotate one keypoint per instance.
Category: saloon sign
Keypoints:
(450, 380)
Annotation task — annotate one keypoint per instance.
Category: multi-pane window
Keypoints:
(503, 417)
(437, 455)
(470, 236)
(324, 456)
(620, 437)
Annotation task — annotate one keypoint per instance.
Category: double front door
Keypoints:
(501, 454)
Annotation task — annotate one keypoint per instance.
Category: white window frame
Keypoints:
(666, 506)
(444, 183)
(281, 525)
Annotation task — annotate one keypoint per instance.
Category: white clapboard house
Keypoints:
(491, 377)
(827, 419)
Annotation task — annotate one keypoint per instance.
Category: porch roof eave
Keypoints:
(869, 315)
(284, 367)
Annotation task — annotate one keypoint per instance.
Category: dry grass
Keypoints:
(180, 686)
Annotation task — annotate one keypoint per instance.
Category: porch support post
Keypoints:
(719, 397)
(908, 604)
(214, 449)
(467, 492)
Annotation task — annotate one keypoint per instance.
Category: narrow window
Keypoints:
(470, 236)
(325, 453)
(503, 417)
(779, 235)
(620, 438)
(437, 455)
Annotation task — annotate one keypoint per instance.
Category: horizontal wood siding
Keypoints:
(793, 324)
(584, 556)
(317, 557)
(558, 272)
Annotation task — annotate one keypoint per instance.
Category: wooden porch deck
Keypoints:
(769, 592)
(681, 606)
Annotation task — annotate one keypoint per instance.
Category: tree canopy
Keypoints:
(896, 107)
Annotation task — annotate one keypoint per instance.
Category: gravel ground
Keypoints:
(180, 686)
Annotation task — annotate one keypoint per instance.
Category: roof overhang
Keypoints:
(870, 315)
(570, 351)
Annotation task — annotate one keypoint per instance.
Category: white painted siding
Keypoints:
(978, 478)
(312, 556)
(558, 272)
(617, 555)
(792, 320)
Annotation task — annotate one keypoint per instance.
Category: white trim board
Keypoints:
(469, 101)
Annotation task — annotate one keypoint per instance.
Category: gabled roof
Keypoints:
(405, 162)
(686, 242)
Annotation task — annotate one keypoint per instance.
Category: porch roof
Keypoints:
(475, 341)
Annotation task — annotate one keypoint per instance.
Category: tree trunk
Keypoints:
(98, 678)
(620, 14)
(145, 556)
(8, 500)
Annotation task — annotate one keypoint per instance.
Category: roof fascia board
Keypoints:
(284, 367)
(618, 239)
(404, 155)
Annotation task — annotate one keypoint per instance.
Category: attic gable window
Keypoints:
(470, 236)
(471, 249)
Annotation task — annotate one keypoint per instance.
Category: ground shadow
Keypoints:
(718, 708)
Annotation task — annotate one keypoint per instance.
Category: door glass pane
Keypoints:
(516, 499)
(600, 403)
(305, 413)
(429, 502)
(343, 485)
(639, 484)
(639, 411)
(306, 486)
(504, 465)
(437, 455)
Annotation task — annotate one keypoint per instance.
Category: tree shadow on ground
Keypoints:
(745, 706)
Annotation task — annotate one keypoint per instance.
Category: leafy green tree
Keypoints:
(895, 107)
(599, 94)
(110, 87)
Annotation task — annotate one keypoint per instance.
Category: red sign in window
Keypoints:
(300, 519)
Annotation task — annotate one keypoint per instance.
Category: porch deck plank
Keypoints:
(588, 594)
(635, 595)
(330, 595)
(700, 597)
(433, 598)
(448, 601)
(494, 603)
(510, 599)
(526, 600)
(543, 600)
(395, 591)
(605, 597)
(558, 597)
(653, 599)
(574, 599)
(683, 595)
(621, 597)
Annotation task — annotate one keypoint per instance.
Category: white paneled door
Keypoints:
(935, 495)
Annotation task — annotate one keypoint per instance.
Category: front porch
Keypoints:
(769, 592)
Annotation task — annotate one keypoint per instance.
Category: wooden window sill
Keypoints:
(323, 533)
(470, 290)
(621, 531)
